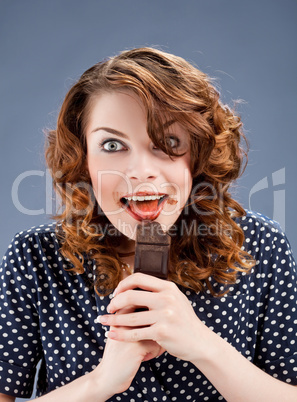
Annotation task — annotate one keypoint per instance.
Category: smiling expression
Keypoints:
(132, 179)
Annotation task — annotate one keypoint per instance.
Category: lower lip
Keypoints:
(148, 216)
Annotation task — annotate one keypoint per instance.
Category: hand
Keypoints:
(121, 361)
(170, 320)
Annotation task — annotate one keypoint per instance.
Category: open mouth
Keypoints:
(142, 206)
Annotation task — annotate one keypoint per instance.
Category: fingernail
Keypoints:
(106, 334)
(102, 319)
(112, 335)
(98, 319)
(114, 292)
(108, 308)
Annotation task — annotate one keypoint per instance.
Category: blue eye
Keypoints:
(172, 142)
(112, 146)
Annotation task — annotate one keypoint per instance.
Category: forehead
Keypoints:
(125, 106)
(114, 106)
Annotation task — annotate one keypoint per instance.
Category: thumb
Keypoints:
(155, 351)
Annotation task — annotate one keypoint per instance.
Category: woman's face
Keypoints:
(132, 179)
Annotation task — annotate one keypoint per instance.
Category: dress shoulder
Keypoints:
(256, 219)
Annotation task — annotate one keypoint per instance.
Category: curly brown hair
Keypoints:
(168, 86)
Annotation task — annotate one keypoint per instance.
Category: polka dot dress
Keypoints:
(49, 314)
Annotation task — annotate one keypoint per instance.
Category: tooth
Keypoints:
(144, 198)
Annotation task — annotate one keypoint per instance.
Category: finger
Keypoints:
(126, 310)
(131, 335)
(136, 298)
(142, 281)
(138, 319)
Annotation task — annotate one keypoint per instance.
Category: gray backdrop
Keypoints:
(248, 46)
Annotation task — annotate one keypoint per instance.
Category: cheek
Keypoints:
(100, 177)
(108, 185)
(187, 177)
(92, 167)
(181, 176)
(104, 185)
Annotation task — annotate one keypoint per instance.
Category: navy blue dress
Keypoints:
(49, 314)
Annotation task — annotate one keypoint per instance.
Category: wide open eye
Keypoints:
(172, 142)
(112, 146)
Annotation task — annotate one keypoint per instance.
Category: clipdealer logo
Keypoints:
(52, 202)
(278, 180)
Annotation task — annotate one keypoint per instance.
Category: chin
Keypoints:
(128, 225)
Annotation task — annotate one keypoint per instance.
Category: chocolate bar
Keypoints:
(152, 250)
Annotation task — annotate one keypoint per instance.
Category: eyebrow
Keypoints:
(169, 123)
(111, 131)
(123, 135)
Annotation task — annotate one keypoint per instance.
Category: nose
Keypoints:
(142, 167)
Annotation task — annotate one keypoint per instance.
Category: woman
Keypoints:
(144, 136)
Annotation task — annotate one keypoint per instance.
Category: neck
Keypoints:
(126, 246)
(127, 254)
